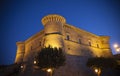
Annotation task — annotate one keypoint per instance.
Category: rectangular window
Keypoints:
(40, 43)
(68, 48)
(89, 43)
(68, 37)
(97, 46)
(31, 48)
(79, 41)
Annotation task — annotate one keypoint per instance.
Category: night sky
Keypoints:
(20, 19)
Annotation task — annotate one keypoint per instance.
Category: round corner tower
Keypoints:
(20, 52)
(53, 25)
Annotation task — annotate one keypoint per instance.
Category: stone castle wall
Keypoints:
(78, 44)
(83, 43)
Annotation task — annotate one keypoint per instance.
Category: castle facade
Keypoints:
(79, 45)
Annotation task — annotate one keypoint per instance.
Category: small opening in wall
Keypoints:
(68, 37)
(31, 48)
(39, 43)
(79, 41)
(89, 43)
(97, 46)
(68, 48)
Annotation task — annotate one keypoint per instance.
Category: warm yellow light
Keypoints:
(53, 41)
(118, 49)
(35, 62)
(49, 70)
(21, 66)
(115, 45)
(96, 70)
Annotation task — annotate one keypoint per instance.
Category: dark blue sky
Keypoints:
(20, 19)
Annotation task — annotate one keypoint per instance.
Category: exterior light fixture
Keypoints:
(118, 49)
(115, 45)
(96, 70)
(49, 70)
(21, 66)
(35, 62)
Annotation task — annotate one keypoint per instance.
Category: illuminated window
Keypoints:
(79, 41)
(68, 37)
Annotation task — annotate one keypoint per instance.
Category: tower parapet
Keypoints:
(53, 18)
(53, 23)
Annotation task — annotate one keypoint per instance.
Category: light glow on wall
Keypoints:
(35, 62)
(96, 70)
(21, 66)
(118, 49)
(53, 41)
(49, 70)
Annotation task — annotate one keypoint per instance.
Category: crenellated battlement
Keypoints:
(53, 18)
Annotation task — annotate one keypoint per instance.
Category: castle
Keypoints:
(79, 45)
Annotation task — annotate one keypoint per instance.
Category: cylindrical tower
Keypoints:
(53, 25)
(20, 52)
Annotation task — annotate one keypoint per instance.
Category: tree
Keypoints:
(50, 57)
(99, 63)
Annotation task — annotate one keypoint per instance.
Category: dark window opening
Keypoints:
(97, 46)
(68, 37)
(79, 41)
(89, 43)
(68, 48)
(31, 48)
(39, 43)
